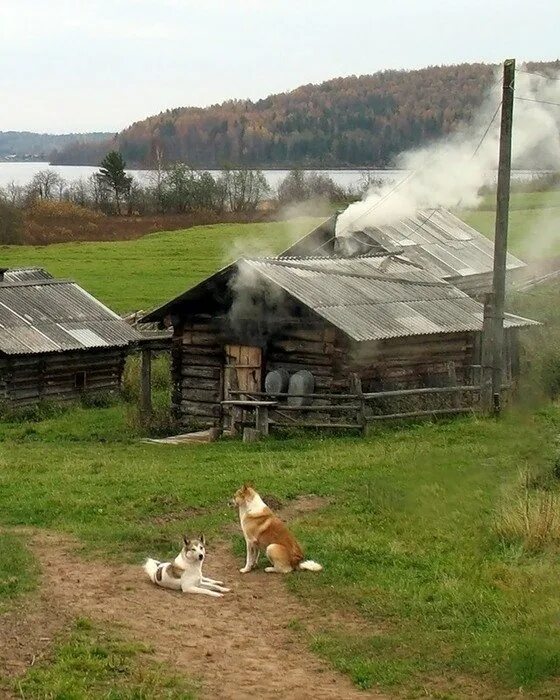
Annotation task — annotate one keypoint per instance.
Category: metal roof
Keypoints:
(434, 239)
(24, 274)
(41, 314)
(374, 298)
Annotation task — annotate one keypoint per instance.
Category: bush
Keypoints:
(48, 221)
(11, 224)
(532, 520)
(299, 186)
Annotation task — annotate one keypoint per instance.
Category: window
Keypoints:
(80, 380)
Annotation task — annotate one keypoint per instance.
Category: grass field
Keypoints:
(407, 539)
(139, 274)
(429, 588)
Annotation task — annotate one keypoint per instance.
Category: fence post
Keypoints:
(452, 379)
(356, 388)
(146, 384)
(487, 355)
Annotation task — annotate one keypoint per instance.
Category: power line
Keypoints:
(542, 102)
(421, 226)
(539, 75)
(412, 174)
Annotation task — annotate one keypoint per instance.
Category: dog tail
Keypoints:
(150, 567)
(310, 565)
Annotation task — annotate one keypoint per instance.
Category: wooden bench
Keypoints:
(260, 408)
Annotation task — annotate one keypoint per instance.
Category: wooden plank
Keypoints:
(200, 383)
(420, 391)
(204, 395)
(195, 372)
(196, 408)
(355, 426)
(414, 414)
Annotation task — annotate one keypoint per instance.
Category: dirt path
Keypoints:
(239, 646)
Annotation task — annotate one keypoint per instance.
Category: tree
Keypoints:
(11, 223)
(112, 176)
(46, 184)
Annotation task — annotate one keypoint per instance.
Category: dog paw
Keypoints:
(270, 569)
(244, 570)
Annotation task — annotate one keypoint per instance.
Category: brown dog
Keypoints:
(264, 530)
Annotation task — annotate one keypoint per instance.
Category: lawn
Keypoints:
(427, 589)
(407, 539)
(139, 274)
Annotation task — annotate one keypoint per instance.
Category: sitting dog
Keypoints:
(264, 530)
(184, 573)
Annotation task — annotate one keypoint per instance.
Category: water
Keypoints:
(22, 173)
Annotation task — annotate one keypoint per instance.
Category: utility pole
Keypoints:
(501, 232)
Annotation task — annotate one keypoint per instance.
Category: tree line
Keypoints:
(170, 189)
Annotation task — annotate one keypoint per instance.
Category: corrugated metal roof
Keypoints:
(41, 314)
(434, 239)
(24, 274)
(374, 298)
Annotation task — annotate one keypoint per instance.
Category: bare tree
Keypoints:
(46, 184)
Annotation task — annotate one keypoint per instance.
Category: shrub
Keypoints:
(532, 518)
(48, 221)
(299, 186)
(11, 224)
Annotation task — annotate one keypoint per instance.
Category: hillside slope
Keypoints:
(353, 121)
(21, 143)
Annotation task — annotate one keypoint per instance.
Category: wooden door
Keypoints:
(243, 370)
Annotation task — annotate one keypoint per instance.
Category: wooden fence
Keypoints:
(354, 410)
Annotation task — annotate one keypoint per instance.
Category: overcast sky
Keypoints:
(99, 65)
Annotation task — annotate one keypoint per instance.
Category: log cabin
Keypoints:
(57, 342)
(377, 318)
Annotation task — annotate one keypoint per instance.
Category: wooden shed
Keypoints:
(434, 239)
(378, 318)
(57, 342)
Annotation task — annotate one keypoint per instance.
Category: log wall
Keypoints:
(28, 379)
(410, 362)
(197, 367)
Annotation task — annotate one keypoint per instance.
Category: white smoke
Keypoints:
(451, 171)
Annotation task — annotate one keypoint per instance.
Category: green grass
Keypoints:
(139, 274)
(91, 663)
(407, 541)
(18, 569)
(534, 223)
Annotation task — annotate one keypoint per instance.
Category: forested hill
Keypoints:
(28, 143)
(354, 121)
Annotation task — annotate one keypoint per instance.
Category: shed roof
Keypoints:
(368, 298)
(379, 297)
(434, 239)
(40, 314)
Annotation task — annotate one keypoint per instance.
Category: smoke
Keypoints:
(452, 170)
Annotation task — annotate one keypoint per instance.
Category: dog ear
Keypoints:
(247, 486)
(186, 540)
(202, 540)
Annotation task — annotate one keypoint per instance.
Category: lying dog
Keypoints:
(184, 573)
(264, 530)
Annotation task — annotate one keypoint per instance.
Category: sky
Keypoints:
(69, 66)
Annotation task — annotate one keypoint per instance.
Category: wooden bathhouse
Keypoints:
(378, 320)
(57, 342)
(435, 240)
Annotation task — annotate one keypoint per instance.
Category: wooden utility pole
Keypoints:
(501, 232)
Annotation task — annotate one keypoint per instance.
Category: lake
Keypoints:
(22, 174)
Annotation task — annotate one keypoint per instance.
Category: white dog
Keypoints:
(184, 573)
